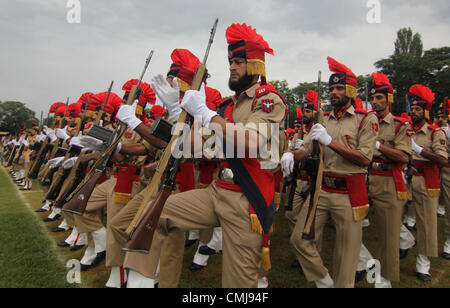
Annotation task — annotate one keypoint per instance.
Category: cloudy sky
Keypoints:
(45, 59)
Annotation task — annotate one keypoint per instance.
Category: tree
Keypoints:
(407, 43)
(14, 116)
(405, 67)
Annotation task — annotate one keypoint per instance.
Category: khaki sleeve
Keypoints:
(307, 145)
(439, 145)
(368, 136)
(261, 120)
(402, 140)
(151, 150)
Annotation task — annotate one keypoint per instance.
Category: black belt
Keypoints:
(334, 183)
(381, 166)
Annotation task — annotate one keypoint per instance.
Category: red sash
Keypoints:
(357, 191)
(431, 175)
(396, 172)
(126, 176)
(185, 177)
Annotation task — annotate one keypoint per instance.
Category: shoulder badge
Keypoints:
(267, 105)
(410, 132)
(128, 135)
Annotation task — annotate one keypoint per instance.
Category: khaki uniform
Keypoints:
(387, 208)
(103, 196)
(216, 206)
(356, 131)
(426, 206)
(445, 192)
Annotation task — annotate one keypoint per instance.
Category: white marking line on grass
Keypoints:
(43, 228)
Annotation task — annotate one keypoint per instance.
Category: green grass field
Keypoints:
(29, 257)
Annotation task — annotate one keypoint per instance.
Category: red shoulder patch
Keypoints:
(362, 111)
(410, 132)
(402, 120)
(128, 135)
(264, 90)
(267, 105)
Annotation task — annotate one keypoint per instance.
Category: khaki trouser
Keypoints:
(92, 220)
(213, 207)
(42, 172)
(445, 197)
(426, 218)
(347, 245)
(388, 212)
(297, 204)
(171, 259)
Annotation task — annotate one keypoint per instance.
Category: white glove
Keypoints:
(91, 143)
(298, 143)
(287, 164)
(170, 96)
(25, 143)
(21, 139)
(75, 141)
(118, 148)
(55, 162)
(51, 135)
(416, 149)
(377, 145)
(446, 130)
(320, 134)
(69, 163)
(45, 128)
(194, 102)
(62, 134)
(127, 115)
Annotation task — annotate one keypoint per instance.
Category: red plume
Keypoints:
(55, 106)
(238, 32)
(421, 91)
(380, 79)
(299, 113)
(358, 104)
(84, 98)
(337, 67)
(213, 98)
(185, 58)
(147, 97)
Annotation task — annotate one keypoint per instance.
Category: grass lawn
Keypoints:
(30, 258)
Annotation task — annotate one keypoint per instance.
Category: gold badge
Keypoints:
(336, 79)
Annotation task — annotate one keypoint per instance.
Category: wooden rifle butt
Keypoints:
(77, 204)
(141, 238)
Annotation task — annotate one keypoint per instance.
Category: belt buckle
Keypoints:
(377, 166)
(226, 175)
(329, 182)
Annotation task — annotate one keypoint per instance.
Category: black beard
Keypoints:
(341, 103)
(240, 85)
(308, 120)
(417, 120)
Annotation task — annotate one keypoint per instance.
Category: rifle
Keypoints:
(77, 200)
(59, 149)
(292, 181)
(164, 180)
(59, 141)
(40, 157)
(12, 155)
(316, 162)
(74, 150)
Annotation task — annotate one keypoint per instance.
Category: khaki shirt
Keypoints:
(131, 137)
(436, 144)
(251, 114)
(347, 132)
(388, 136)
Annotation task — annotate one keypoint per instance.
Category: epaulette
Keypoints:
(435, 129)
(402, 120)
(365, 113)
